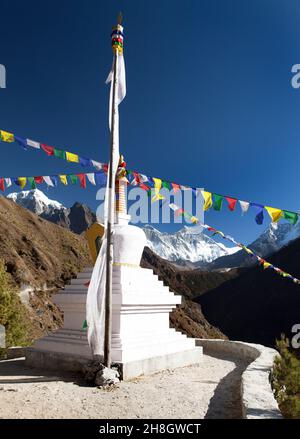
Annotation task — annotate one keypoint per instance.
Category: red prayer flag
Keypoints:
(48, 149)
(145, 187)
(231, 203)
(38, 180)
(105, 168)
(2, 187)
(179, 211)
(82, 180)
(176, 187)
(137, 177)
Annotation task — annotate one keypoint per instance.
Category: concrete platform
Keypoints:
(69, 362)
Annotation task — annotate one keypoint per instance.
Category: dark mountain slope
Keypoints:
(188, 317)
(258, 305)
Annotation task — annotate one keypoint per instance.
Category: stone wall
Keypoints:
(257, 397)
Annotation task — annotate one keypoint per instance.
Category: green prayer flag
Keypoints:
(73, 178)
(166, 184)
(59, 153)
(217, 202)
(292, 217)
(32, 182)
(84, 326)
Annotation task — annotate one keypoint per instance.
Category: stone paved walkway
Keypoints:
(207, 390)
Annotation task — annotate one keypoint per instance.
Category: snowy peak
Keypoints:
(188, 244)
(36, 201)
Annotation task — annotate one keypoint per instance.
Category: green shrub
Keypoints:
(13, 314)
(286, 380)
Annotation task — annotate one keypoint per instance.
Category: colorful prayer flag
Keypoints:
(207, 196)
(85, 161)
(260, 213)
(32, 182)
(2, 184)
(73, 178)
(8, 182)
(292, 217)
(275, 214)
(82, 180)
(39, 179)
(59, 153)
(217, 202)
(49, 150)
(231, 203)
(22, 182)
(91, 178)
(63, 179)
(22, 142)
(6, 136)
(244, 206)
(48, 180)
(33, 144)
(72, 157)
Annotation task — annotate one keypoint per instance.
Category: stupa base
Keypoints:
(73, 363)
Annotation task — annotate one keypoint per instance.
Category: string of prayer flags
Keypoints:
(51, 151)
(95, 178)
(265, 264)
(210, 200)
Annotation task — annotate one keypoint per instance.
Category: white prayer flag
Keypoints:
(48, 180)
(33, 143)
(91, 178)
(244, 206)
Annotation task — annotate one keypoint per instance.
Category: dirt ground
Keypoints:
(207, 390)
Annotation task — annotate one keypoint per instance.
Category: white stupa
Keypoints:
(142, 340)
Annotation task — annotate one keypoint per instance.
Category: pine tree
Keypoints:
(13, 314)
(286, 380)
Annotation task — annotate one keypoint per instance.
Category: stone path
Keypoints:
(207, 390)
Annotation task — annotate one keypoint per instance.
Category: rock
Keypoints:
(106, 377)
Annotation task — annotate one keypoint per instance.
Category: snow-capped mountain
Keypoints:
(36, 201)
(271, 240)
(188, 244)
(76, 218)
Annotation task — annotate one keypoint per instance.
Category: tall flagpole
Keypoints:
(111, 215)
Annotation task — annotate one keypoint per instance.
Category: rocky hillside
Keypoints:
(41, 257)
(187, 318)
(258, 305)
(77, 218)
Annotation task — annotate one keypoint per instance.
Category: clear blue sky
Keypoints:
(209, 101)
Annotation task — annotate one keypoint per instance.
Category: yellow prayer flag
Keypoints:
(157, 197)
(266, 265)
(72, 157)
(63, 179)
(275, 214)
(7, 137)
(22, 181)
(194, 219)
(207, 200)
(157, 184)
